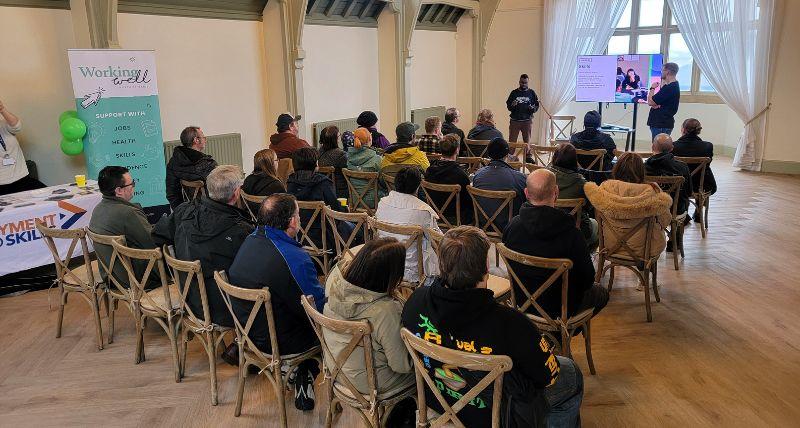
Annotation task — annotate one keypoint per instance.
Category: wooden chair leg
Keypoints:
(654, 273)
(173, 329)
(674, 234)
(611, 277)
(61, 302)
(111, 307)
(184, 350)
(587, 341)
(211, 350)
(240, 387)
(331, 403)
(706, 205)
(139, 338)
(702, 216)
(645, 278)
(96, 314)
(681, 232)
(280, 391)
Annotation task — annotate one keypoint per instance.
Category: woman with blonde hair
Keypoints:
(625, 200)
(485, 128)
(264, 179)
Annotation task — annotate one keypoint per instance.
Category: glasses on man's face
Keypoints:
(131, 184)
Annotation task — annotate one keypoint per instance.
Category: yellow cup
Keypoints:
(80, 180)
(343, 201)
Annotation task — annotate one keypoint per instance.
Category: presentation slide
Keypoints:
(617, 78)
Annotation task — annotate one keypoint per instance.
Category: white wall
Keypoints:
(35, 85)
(209, 75)
(340, 73)
(433, 69)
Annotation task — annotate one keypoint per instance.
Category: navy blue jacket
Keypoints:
(498, 175)
(270, 258)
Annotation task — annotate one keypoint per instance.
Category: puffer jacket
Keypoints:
(186, 164)
(393, 368)
(364, 159)
(405, 154)
(623, 205)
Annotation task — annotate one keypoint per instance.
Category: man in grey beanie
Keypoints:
(591, 138)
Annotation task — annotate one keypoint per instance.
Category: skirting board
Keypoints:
(780, 167)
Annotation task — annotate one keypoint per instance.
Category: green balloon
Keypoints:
(67, 114)
(72, 147)
(73, 128)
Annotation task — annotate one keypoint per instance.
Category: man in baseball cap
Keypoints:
(404, 151)
(285, 141)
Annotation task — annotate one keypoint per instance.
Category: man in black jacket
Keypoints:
(542, 230)
(522, 103)
(664, 163)
(691, 145)
(187, 163)
(591, 138)
(446, 170)
(209, 229)
(451, 118)
(458, 312)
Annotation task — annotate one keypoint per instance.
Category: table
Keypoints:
(65, 206)
(616, 129)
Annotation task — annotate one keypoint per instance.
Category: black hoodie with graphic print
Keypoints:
(472, 321)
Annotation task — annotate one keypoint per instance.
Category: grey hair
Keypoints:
(672, 68)
(223, 181)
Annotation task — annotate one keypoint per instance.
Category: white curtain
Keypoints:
(572, 28)
(730, 40)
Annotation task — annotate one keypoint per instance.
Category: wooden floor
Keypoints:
(723, 348)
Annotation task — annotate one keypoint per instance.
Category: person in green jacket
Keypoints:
(362, 157)
(570, 186)
(361, 289)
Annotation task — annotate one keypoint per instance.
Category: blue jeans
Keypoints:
(565, 396)
(656, 131)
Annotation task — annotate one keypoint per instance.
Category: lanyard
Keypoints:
(3, 143)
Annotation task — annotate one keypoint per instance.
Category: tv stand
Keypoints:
(630, 137)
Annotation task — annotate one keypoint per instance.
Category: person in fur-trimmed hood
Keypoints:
(625, 199)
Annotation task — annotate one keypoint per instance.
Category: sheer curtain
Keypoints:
(730, 40)
(572, 28)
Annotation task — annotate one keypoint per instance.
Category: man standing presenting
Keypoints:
(664, 104)
(522, 103)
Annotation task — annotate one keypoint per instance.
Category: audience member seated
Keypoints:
(570, 186)
(429, 141)
(451, 118)
(447, 171)
(405, 150)
(457, 311)
(498, 175)
(484, 127)
(626, 199)
(541, 230)
(308, 185)
(401, 206)
(691, 145)
(591, 138)
(368, 120)
(116, 215)
(272, 258)
(264, 180)
(362, 290)
(331, 155)
(209, 229)
(286, 141)
(361, 157)
(187, 163)
(663, 162)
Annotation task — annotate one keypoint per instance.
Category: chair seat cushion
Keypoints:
(160, 299)
(83, 274)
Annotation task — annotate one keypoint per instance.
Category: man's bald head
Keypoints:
(662, 143)
(541, 188)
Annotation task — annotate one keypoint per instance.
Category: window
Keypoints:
(647, 26)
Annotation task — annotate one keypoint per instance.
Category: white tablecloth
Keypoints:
(64, 206)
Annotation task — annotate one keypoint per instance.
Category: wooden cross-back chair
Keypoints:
(698, 167)
(591, 159)
(285, 169)
(409, 235)
(561, 127)
(329, 172)
(388, 179)
(117, 289)
(643, 155)
(319, 252)
(249, 201)
(433, 156)
(640, 263)
(524, 167)
(160, 304)
(673, 185)
(269, 364)
(563, 326)
(486, 220)
(495, 365)
(451, 195)
(81, 279)
(360, 227)
(575, 206)
(517, 151)
(189, 275)
(476, 148)
(543, 155)
(471, 164)
(356, 201)
(373, 407)
(192, 190)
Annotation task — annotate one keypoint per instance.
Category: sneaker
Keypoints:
(304, 391)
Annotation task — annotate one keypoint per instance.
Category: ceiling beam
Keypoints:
(438, 12)
(426, 13)
(449, 13)
(332, 5)
(367, 7)
(310, 7)
(349, 8)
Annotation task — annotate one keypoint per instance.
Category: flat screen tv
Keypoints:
(617, 78)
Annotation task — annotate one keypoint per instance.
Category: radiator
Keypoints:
(342, 124)
(419, 115)
(226, 149)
